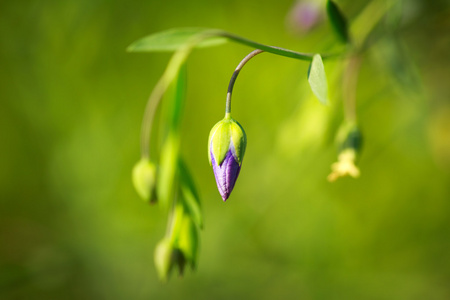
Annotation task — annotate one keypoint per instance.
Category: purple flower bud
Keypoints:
(226, 174)
(226, 148)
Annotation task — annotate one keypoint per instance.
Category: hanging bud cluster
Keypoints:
(179, 247)
(169, 183)
(226, 149)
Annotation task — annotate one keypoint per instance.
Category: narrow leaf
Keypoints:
(338, 21)
(317, 79)
(174, 39)
(188, 241)
(190, 195)
(167, 170)
(171, 147)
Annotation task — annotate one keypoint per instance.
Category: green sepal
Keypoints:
(224, 133)
(188, 241)
(144, 179)
(239, 140)
(220, 140)
(211, 133)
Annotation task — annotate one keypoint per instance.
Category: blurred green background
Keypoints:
(72, 99)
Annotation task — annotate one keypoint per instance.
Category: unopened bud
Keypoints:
(144, 179)
(226, 149)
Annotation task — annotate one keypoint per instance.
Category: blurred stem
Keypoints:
(361, 28)
(366, 21)
(234, 77)
(349, 84)
(172, 69)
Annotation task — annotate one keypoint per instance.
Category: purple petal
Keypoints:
(226, 174)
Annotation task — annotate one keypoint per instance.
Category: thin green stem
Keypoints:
(172, 69)
(273, 49)
(234, 77)
(349, 84)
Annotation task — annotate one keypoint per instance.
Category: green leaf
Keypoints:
(171, 147)
(167, 170)
(188, 241)
(189, 195)
(177, 93)
(174, 39)
(180, 38)
(318, 80)
(338, 21)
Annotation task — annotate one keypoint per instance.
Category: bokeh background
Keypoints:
(71, 103)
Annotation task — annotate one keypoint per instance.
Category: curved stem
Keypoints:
(178, 58)
(234, 77)
(147, 121)
(181, 55)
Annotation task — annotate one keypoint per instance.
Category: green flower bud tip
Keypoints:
(226, 149)
(144, 180)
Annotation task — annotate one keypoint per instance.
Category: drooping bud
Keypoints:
(226, 149)
(349, 140)
(144, 180)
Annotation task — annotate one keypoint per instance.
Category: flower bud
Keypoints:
(226, 149)
(349, 144)
(144, 179)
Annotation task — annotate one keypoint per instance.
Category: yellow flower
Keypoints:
(345, 166)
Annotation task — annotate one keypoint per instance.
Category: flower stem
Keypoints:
(234, 77)
(350, 81)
